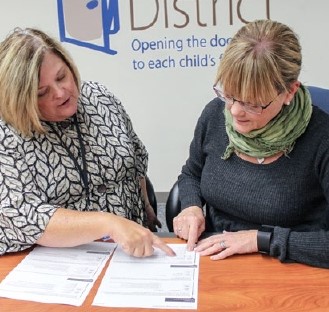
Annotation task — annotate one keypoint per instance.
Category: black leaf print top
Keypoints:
(42, 173)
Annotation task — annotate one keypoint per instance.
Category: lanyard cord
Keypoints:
(83, 171)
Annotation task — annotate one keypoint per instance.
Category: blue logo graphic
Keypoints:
(89, 23)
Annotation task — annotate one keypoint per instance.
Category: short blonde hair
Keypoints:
(21, 56)
(262, 60)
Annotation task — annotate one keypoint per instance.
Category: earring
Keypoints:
(288, 103)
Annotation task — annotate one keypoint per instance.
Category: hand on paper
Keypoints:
(189, 225)
(136, 240)
(221, 246)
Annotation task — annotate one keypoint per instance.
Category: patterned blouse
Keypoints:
(89, 162)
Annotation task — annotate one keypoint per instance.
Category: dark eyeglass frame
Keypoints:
(247, 107)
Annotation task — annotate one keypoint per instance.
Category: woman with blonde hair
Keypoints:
(72, 169)
(259, 159)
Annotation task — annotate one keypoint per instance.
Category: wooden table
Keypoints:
(240, 283)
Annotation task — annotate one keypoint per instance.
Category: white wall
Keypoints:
(164, 103)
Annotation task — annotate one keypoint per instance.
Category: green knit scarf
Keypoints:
(279, 135)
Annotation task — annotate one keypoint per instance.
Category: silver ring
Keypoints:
(222, 244)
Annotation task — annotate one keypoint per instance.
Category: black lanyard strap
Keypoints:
(82, 170)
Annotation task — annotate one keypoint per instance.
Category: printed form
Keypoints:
(158, 281)
(57, 275)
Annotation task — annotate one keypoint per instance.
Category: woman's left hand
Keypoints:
(152, 220)
(221, 246)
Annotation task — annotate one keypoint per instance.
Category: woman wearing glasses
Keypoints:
(259, 158)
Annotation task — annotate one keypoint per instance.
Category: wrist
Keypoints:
(110, 223)
(264, 237)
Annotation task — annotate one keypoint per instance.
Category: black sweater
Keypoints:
(291, 193)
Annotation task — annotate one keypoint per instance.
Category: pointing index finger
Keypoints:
(192, 237)
(157, 242)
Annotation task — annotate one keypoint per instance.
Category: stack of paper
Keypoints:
(158, 281)
(57, 275)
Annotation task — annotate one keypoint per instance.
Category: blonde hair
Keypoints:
(262, 60)
(21, 56)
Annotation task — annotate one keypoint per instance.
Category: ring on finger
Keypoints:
(222, 245)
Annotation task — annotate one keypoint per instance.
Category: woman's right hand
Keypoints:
(189, 225)
(135, 239)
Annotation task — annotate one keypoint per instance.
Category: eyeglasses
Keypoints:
(246, 106)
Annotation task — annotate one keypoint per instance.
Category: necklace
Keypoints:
(260, 160)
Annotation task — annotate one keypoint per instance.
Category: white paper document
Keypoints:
(158, 281)
(57, 275)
